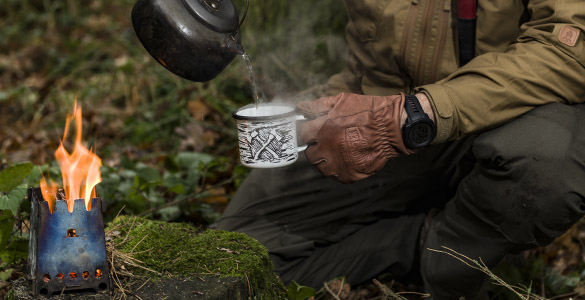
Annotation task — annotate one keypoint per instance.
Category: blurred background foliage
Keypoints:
(169, 145)
(163, 139)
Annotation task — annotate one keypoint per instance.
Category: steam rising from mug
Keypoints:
(194, 39)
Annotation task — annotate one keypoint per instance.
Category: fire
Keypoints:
(80, 170)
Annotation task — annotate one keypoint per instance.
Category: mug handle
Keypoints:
(303, 147)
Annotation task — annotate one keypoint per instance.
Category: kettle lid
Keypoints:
(218, 15)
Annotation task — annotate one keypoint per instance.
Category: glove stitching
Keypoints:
(355, 150)
(383, 125)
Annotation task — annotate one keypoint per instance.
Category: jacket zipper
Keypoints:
(443, 24)
(408, 35)
(421, 57)
(416, 40)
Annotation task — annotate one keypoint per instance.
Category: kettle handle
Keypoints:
(245, 13)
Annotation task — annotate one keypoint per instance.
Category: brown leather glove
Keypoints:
(352, 136)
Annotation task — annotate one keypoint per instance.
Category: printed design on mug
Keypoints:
(272, 142)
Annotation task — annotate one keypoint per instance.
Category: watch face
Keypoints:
(420, 134)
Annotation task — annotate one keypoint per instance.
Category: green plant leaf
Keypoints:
(6, 224)
(189, 160)
(10, 295)
(178, 189)
(16, 251)
(299, 292)
(33, 177)
(572, 279)
(13, 176)
(147, 174)
(169, 213)
(13, 199)
(560, 284)
(5, 275)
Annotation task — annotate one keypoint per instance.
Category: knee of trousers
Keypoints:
(529, 180)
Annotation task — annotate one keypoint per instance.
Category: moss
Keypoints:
(182, 250)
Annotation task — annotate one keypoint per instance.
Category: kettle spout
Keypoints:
(231, 42)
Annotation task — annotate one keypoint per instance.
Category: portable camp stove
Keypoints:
(67, 251)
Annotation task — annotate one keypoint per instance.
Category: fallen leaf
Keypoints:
(226, 250)
(217, 196)
(198, 109)
(195, 138)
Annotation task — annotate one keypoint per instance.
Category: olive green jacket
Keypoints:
(528, 53)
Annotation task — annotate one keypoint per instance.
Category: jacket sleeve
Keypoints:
(546, 64)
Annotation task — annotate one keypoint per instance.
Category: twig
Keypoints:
(341, 286)
(147, 280)
(208, 270)
(114, 274)
(387, 292)
(248, 283)
(128, 233)
(120, 211)
(564, 295)
(132, 294)
(482, 267)
(62, 292)
(133, 261)
(456, 257)
(143, 251)
(422, 295)
(204, 176)
(131, 251)
(330, 291)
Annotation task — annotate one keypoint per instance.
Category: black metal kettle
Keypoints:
(195, 39)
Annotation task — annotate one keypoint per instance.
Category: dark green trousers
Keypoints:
(512, 188)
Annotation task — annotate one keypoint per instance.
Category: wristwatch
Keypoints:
(418, 130)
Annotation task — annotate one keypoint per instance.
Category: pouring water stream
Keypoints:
(246, 57)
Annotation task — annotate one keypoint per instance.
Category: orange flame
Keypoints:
(80, 169)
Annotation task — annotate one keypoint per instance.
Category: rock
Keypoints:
(207, 289)
(192, 263)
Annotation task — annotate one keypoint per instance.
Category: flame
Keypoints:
(80, 169)
(49, 190)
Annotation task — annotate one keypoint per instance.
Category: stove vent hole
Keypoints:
(44, 291)
(85, 275)
(103, 286)
(72, 276)
(98, 273)
(47, 278)
(71, 233)
(60, 277)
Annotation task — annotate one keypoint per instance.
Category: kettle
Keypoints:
(194, 39)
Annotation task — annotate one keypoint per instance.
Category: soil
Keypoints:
(23, 291)
(208, 288)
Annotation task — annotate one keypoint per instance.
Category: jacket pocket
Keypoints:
(364, 16)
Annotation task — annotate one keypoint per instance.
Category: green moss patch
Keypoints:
(180, 249)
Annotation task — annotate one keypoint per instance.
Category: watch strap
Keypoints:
(413, 108)
(418, 130)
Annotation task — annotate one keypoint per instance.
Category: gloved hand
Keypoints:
(352, 136)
